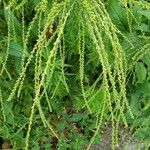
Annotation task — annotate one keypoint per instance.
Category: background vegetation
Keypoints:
(68, 67)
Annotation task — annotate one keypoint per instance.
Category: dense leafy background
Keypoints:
(74, 125)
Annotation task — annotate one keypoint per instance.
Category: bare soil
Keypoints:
(125, 140)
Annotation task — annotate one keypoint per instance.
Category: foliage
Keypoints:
(67, 67)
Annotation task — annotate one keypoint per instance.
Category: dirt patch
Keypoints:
(125, 140)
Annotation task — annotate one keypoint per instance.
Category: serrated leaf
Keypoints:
(143, 133)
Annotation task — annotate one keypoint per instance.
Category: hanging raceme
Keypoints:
(81, 60)
(50, 42)
(38, 45)
(116, 62)
(2, 105)
(51, 57)
(8, 42)
(105, 82)
(107, 26)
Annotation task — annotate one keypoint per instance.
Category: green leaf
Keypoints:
(62, 125)
(146, 60)
(140, 72)
(135, 104)
(145, 13)
(143, 133)
(15, 49)
(4, 132)
(77, 117)
(144, 27)
(18, 61)
(9, 112)
(95, 101)
(117, 14)
(14, 23)
(144, 88)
